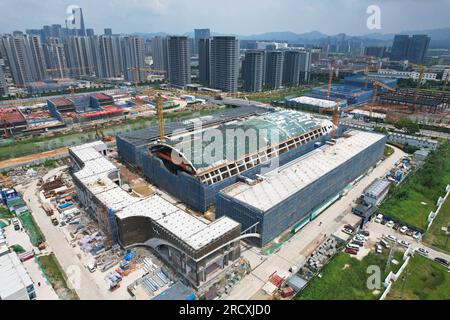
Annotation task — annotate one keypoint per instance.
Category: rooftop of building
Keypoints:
(264, 130)
(194, 232)
(149, 135)
(11, 115)
(283, 182)
(322, 103)
(61, 101)
(14, 277)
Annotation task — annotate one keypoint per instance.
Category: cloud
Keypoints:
(228, 16)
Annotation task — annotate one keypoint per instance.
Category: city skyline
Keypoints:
(153, 16)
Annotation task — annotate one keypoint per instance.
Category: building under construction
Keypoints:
(178, 164)
(295, 194)
(195, 248)
(417, 101)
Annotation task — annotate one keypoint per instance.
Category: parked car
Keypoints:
(351, 251)
(410, 232)
(365, 233)
(348, 226)
(347, 231)
(442, 261)
(390, 238)
(358, 243)
(385, 244)
(353, 246)
(403, 229)
(384, 221)
(16, 223)
(390, 224)
(403, 243)
(422, 251)
(378, 249)
(379, 218)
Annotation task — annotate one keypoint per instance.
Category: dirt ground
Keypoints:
(32, 157)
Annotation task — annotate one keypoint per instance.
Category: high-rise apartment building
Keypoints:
(179, 66)
(253, 71)
(224, 63)
(79, 55)
(274, 69)
(25, 58)
(305, 66)
(291, 68)
(56, 58)
(133, 58)
(160, 54)
(200, 34)
(418, 46)
(204, 50)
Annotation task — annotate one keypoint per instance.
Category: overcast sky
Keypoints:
(229, 16)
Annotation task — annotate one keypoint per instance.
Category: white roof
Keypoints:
(296, 175)
(117, 199)
(195, 232)
(87, 154)
(93, 145)
(314, 102)
(13, 277)
(95, 167)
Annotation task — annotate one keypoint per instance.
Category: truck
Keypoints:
(55, 221)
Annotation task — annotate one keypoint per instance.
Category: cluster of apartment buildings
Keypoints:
(220, 61)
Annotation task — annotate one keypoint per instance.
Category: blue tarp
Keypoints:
(65, 205)
(177, 292)
(129, 255)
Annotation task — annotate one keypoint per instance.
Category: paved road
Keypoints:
(306, 240)
(55, 239)
(378, 230)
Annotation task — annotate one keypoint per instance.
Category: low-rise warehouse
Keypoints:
(12, 121)
(195, 248)
(314, 104)
(289, 195)
(15, 283)
(376, 192)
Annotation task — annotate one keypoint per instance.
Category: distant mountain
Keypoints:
(440, 37)
(285, 36)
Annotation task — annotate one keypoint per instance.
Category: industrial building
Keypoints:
(15, 283)
(195, 248)
(196, 180)
(11, 121)
(353, 95)
(291, 195)
(313, 104)
(376, 192)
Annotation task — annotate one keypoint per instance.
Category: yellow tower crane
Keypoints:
(160, 112)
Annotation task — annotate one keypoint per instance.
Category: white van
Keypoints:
(379, 218)
(353, 246)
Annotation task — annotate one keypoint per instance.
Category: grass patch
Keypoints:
(435, 236)
(425, 280)
(279, 94)
(17, 248)
(414, 199)
(5, 213)
(55, 275)
(345, 278)
(388, 151)
(32, 228)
